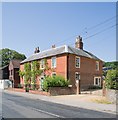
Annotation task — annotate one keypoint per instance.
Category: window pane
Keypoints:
(77, 62)
(53, 62)
(77, 76)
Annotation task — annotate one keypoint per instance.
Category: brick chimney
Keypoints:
(37, 50)
(53, 46)
(79, 43)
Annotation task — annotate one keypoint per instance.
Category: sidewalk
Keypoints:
(81, 101)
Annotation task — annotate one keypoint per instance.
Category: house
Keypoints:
(73, 63)
(4, 72)
(14, 66)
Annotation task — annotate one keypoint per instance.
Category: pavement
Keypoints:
(82, 101)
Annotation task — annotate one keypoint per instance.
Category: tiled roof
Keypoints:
(60, 50)
(16, 63)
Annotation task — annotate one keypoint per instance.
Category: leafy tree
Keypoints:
(6, 55)
(114, 64)
(112, 79)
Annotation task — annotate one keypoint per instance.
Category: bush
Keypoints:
(112, 79)
(20, 86)
(57, 81)
(27, 89)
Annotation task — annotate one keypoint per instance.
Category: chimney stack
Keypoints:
(53, 46)
(79, 43)
(37, 50)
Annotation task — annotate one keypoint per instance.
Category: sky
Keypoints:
(27, 25)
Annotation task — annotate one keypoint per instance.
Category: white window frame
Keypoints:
(42, 61)
(99, 81)
(55, 63)
(75, 62)
(97, 65)
(78, 74)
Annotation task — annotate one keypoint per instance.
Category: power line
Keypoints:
(99, 32)
(93, 27)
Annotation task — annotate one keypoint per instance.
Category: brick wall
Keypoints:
(87, 70)
(65, 66)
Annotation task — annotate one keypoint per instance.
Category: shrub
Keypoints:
(20, 86)
(112, 79)
(56, 81)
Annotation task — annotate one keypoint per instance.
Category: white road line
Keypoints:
(48, 113)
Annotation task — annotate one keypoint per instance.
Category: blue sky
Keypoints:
(29, 25)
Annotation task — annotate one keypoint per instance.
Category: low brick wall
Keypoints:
(61, 91)
(30, 91)
(39, 92)
(53, 91)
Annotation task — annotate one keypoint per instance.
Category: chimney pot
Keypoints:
(53, 46)
(79, 43)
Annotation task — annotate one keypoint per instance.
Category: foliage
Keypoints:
(114, 64)
(56, 81)
(27, 73)
(20, 86)
(112, 79)
(6, 55)
(21, 73)
(27, 89)
(35, 71)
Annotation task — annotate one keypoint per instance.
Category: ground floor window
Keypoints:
(77, 76)
(97, 81)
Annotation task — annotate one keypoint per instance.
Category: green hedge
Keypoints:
(56, 81)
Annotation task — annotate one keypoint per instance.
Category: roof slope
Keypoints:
(60, 50)
(16, 63)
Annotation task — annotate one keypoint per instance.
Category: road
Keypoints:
(14, 106)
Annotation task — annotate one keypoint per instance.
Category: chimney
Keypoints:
(79, 43)
(53, 46)
(37, 50)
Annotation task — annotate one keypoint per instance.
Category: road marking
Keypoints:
(48, 113)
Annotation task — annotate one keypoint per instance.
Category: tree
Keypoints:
(114, 64)
(6, 55)
(112, 79)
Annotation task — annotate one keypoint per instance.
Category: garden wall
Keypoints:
(61, 91)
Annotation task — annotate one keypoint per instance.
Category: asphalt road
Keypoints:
(14, 106)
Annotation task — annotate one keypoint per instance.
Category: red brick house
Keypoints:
(14, 66)
(71, 63)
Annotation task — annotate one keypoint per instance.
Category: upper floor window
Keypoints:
(42, 64)
(53, 62)
(77, 62)
(97, 65)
